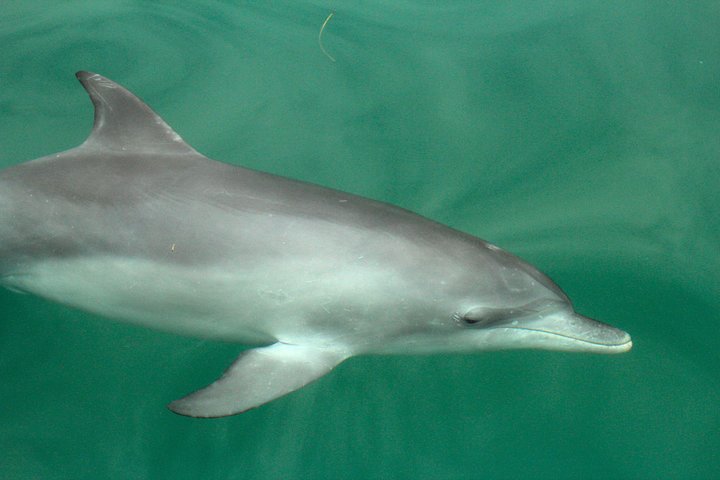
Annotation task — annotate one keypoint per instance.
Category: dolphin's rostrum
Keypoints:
(135, 225)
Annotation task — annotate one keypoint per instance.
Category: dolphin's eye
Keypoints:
(469, 321)
(486, 317)
(464, 320)
(477, 322)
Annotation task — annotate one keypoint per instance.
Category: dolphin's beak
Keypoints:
(566, 330)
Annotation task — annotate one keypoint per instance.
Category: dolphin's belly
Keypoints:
(160, 296)
(285, 301)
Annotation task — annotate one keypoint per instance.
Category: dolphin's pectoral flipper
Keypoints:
(259, 376)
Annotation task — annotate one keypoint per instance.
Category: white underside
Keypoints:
(283, 302)
(356, 308)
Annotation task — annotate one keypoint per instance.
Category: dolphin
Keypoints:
(137, 226)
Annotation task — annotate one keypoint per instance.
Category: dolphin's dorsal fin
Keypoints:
(124, 123)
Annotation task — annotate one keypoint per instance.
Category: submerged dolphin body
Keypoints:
(135, 225)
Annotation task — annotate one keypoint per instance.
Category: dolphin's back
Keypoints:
(139, 194)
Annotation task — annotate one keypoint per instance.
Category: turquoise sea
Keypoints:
(583, 136)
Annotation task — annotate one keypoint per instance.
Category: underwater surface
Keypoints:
(581, 136)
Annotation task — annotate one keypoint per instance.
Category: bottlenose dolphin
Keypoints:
(136, 225)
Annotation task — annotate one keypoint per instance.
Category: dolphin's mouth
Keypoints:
(624, 344)
(566, 330)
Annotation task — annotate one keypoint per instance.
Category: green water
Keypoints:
(582, 136)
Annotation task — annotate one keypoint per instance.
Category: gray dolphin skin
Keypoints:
(137, 226)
